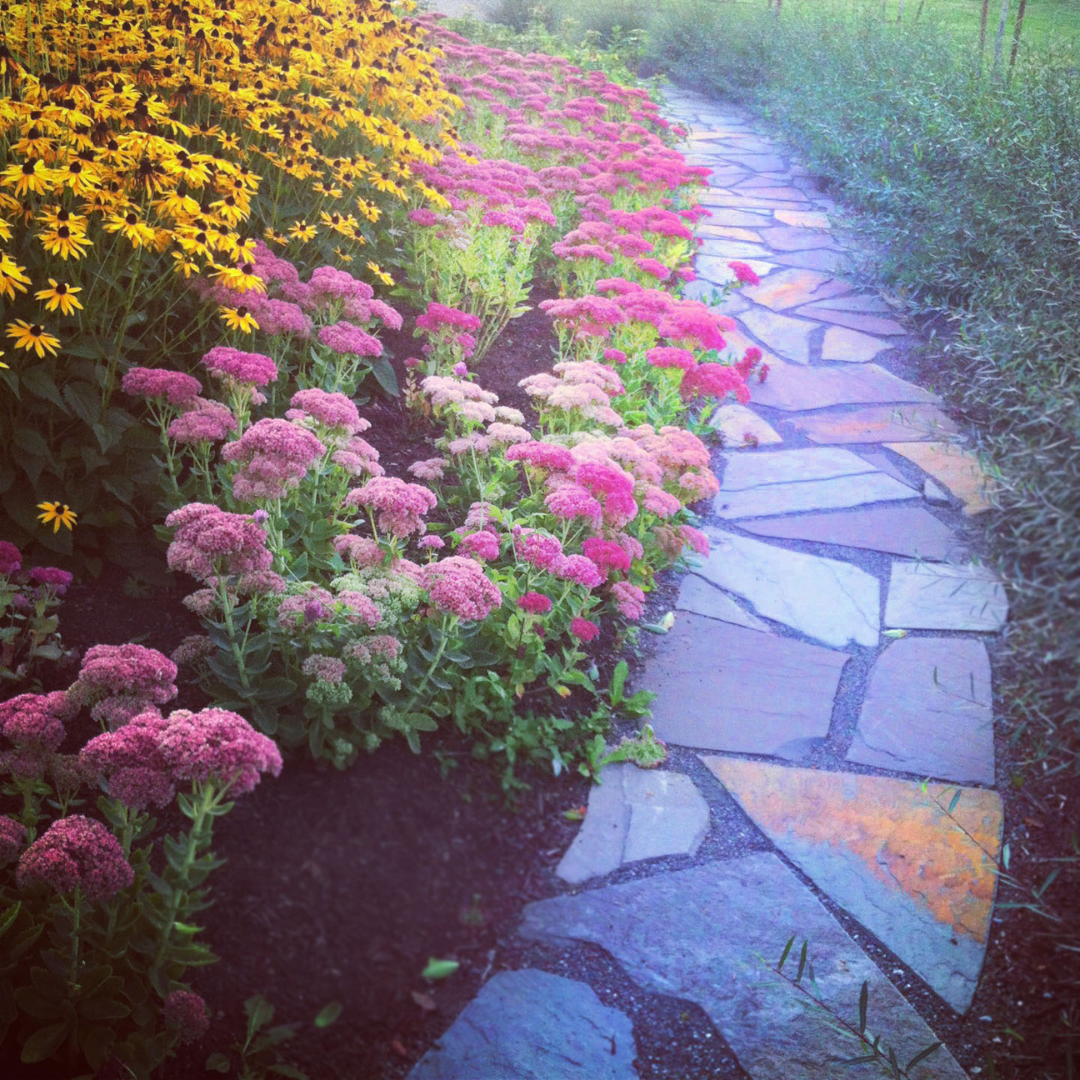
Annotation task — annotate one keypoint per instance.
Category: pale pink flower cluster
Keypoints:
(328, 669)
(629, 599)
(345, 337)
(331, 410)
(209, 541)
(443, 390)
(12, 836)
(274, 455)
(401, 506)
(361, 551)
(542, 455)
(186, 1013)
(482, 545)
(537, 548)
(458, 586)
(430, 469)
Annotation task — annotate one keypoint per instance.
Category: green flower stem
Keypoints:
(447, 622)
(230, 627)
(198, 837)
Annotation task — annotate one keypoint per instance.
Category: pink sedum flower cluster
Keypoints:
(458, 586)
(75, 852)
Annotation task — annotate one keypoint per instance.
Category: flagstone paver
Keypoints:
(722, 687)
(910, 859)
(910, 531)
(635, 814)
(876, 424)
(918, 875)
(529, 1025)
(698, 596)
(788, 337)
(937, 596)
(928, 710)
(835, 602)
(865, 322)
(792, 287)
(851, 346)
(955, 468)
(713, 935)
(794, 388)
(740, 426)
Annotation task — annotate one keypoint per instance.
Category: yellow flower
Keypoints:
(184, 265)
(138, 232)
(60, 296)
(65, 241)
(32, 177)
(301, 230)
(32, 338)
(240, 278)
(343, 255)
(239, 319)
(12, 277)
(382, 275)
(52, 514)
(2, 364)
(275, 237)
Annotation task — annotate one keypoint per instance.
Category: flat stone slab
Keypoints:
(741, 426)
(836, 493)
(865, 302)
(803, 219)
(928, 710)
(529, 1025)
(934, 493)
(635, 814)
(826, 599)
(721, 248)
(892, 854)
(936, 596)
(714, 934)
(716, 269)
(742, 471)
(956, 469)
(698, 596)
(826, 259)
(723, 687)
(794, 238)
(876, 424)
(850, 346)
(792, 287)
(794, 389)
(867, 322)
(790, 338)
(748, 218)
(730, 232)
(895, 530)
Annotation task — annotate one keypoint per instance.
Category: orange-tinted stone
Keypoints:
(803, 219)
(918, 874)
(790, 288)
(957, 469)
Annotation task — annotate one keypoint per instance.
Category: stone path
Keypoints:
(827, 675)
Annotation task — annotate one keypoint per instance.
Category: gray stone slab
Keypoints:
(793, 388)
(797, 238)
(836, 494)
(866, 322)
(935, 494)
(928, 710)
(723, 248)
(742, 427)
(743, 471)
(876, 424)
(850, 346)
(713, 935)
(866, 302)
(824, 259)
(935, 596)
(723, 687)
(826, 599)
(758, 162)
(747, 219)
(788, 337)
(910, 531)
(698, 596)
(635, 814)
(529, 1025)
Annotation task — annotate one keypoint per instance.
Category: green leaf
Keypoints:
(384, 375)
(955, 800)
(218, 1063)
(103, 1009)
(259, 1013)
(283, 1068)
(328, 1014)
(7, 918)
(864, 997)
(439, 969)
(802, 961)
(922, 1055)
(43, 1043)
(1006, 855)
(618, 681)
(784, 954)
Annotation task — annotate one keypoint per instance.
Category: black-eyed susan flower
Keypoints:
(32, 337)
(132, 227)
(239, 318)
(65, 242)
(12, 277)
(32, 177)
(60, 296)
(57, 514)
(302, 231)
(240, 278)
(381, 274)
